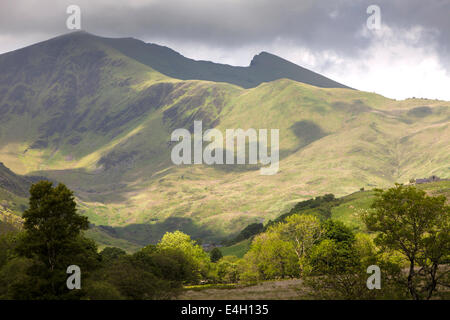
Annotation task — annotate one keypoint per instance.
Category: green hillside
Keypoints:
(239, 249)
(14, 184)
(347, 209)
(13, 199)
(76, 109)
(349, 212)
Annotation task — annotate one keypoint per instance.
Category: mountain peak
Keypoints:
(264, 67)
(262, 58)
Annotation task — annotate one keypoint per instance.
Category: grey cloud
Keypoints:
(317, 24)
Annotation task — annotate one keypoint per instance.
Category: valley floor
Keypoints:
(292, 289)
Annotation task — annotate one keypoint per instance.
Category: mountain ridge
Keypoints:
(171, 63)
(76, 110)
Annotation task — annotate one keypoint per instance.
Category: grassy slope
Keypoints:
(12, 207)
(112, 145)
(13, 191)
(103, 240)
(14, 203)
(349, 211)
(239, 249)
(354, 204)
(340, 162)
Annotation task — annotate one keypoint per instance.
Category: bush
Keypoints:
(101, 290)
(228, 269)
(215, 255)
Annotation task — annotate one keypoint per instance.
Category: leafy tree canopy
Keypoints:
(407, 220)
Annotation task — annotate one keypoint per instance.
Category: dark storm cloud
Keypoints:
(316, 24)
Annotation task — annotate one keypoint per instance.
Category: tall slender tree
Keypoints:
(53, 240)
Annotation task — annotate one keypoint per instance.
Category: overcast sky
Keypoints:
(408, 55)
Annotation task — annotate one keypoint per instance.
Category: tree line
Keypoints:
(408, 238)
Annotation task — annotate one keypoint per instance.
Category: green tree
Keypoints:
(101, 290)
(110, 254)
(215, 255)
(336, 267)
(416, 225)
(135, 283)
(13, 276)
(228, 269)
(192, 251)
(365, 249)
(8, 243)
(150, 273)
(335, 272)
(168, 263)
(302, 231)
(272, 257)
(338, 231)
(330, 257)
(53, 240)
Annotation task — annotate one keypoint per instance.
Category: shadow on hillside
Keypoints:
(145, 234)
(306, 132)
(100, 186)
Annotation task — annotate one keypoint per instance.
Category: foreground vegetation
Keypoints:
(409, 239)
